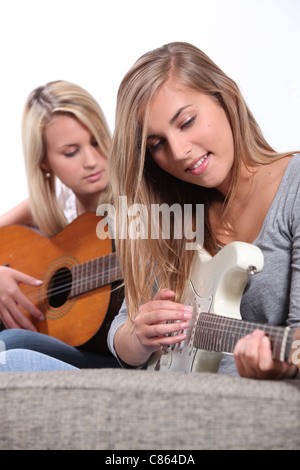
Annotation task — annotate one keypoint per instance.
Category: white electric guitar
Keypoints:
(214, 291)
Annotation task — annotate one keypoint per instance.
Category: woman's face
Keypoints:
(190, 137)
(72, 154)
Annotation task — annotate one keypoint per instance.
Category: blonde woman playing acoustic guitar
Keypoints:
(66, 141)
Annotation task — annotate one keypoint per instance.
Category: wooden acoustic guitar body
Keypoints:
(78, 299)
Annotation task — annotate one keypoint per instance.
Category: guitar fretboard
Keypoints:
(218, 333)
(94, 274)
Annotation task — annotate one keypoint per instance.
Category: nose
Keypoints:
(90, 157)
(180, 147)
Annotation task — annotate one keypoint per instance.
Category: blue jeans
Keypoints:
(23, 360)
(52, 347)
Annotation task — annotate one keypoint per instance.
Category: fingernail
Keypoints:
(187, 315)
(187, 308)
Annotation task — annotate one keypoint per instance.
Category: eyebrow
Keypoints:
(173, 119)
(65, 147)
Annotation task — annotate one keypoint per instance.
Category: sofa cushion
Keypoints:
(138, 409)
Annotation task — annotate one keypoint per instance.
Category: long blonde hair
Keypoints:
(43, 103)
(167, 263)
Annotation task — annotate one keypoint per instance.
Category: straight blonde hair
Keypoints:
(166, 263)
(43, 103)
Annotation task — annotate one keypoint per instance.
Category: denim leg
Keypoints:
(25, 339)
(23, 360)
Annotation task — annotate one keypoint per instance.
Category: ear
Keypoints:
(45, 166)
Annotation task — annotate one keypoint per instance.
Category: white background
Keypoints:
(94, 42)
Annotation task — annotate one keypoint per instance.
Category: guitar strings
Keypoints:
(243, 328)
(211, 321)
(88, 278)
(229, 330)
(85, 266)
(206, 322)
(213, 318)
(218, 333)
(225, 340)
(70, 284)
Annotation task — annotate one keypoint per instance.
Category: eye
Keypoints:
(188, 122)
(71, 154)
(155, 145)
(94, 143)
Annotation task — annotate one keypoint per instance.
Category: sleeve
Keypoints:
(117, 322)
(67, 200)
(294, 309)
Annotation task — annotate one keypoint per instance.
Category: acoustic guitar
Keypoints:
(81, 277)
(215, 291)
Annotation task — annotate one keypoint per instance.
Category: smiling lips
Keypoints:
(94, 176)
(196, 168)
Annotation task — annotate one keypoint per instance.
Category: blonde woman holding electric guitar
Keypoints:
(185, 128)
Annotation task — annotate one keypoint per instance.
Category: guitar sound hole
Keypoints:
(60, 287)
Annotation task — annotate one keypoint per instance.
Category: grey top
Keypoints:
(273, 295)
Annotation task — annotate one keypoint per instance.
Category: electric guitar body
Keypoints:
(80, 293)
(215, 291)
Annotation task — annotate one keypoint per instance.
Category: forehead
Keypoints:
(169, 99)
(172, 90)
(63, 128)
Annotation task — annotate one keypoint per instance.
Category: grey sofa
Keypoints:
(116, 409)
